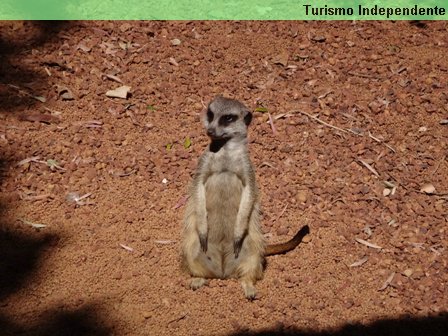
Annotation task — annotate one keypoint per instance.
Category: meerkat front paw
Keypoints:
(237, 245)
(203, 241)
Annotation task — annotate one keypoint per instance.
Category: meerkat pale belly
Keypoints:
(223, 196)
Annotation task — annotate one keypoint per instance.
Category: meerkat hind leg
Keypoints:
(249, 289)
(250, 270)
(197, 283)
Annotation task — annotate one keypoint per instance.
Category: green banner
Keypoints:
(223, 10)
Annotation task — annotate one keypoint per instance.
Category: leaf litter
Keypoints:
(368, 244)
(127, 248)
(34, 225)
(387, 282)
(360, 262)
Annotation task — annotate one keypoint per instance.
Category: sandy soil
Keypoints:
(107, 176)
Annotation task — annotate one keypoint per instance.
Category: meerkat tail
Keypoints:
(289, 245)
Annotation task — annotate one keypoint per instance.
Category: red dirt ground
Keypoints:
(109, 264)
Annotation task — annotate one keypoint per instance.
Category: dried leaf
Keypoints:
(120, 92)
(130, 249)
(187, 142)
(34, 225)
(387, 282)
(393, 190)
(359, 262)
(428, 188)
(366, 243)
(114, 78)
(40, 98)
(261, 109)
(388, 184)
(30, 159)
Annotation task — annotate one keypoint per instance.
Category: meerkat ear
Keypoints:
(248, 118)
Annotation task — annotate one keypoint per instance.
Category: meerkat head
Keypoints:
(227, 119)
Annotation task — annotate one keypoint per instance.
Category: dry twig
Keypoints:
(281, 213)
(271, 122)
(369, 167)
(379, 141)
(325, 123)
(357, 74)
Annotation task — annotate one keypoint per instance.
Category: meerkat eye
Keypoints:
(210, 115)
(227, 119)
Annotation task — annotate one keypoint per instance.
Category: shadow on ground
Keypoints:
(21, 251)
(80, 322)
(16, 76)
(406, 326)
(20, 256)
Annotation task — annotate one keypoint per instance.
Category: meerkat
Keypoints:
(221, 234)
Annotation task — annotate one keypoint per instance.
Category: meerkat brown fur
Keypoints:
(221, 234)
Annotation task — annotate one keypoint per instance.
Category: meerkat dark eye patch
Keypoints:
(248, 118)
(227, 119)
(210, 115)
